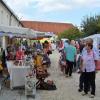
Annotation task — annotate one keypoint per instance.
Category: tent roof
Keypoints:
(19, 31)
(23, 32)
(44, 34)
(93, 36)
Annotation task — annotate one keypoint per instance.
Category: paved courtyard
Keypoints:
(66, 87)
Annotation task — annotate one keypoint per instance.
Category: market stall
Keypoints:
(20, 71)
(17, 74)
(15, 32)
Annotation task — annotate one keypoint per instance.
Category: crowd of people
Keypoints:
(82, 57)
(37, 53)
(76, 56)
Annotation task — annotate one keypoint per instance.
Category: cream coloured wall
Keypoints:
(6, 18)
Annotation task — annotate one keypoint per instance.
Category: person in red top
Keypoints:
(47, 47)
(20, 54)
(61, 45)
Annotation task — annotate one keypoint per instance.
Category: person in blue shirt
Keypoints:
(39, 46)
(70, 52)
(66, 43)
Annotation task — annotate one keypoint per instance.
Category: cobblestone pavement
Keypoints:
(66, 87)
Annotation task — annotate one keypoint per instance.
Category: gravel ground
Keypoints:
(67, 88)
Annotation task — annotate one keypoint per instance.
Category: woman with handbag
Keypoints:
(88, 68)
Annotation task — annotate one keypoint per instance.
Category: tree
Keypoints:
(91, 25)
(72, 33)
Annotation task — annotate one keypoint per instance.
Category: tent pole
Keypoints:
(4, 42)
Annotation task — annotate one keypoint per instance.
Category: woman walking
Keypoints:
(88, 68)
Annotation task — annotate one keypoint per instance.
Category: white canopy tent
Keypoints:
(44, 34)
(40, 34)
(49, 34)
(21, 32)
(17, 31)
(93, 36)
(96, 39)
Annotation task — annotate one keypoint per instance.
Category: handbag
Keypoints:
(1, 67)
(49, 52)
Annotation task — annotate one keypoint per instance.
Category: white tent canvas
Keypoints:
(17, 31)
(96, 39)
(93, 36)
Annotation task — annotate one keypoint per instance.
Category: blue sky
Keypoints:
(67, 11)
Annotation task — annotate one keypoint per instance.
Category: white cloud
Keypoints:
(64, 5)
(47, 6)
(87, 3)
(19, 3)
(81, 2)
(19, 6)
(52, 5)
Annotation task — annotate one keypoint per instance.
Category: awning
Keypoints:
(17, 32)
(44, 34)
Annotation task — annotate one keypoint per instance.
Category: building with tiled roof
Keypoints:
(47, 26)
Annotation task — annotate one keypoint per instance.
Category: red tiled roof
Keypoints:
(47, 26)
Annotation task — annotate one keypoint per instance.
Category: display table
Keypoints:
(17, 74)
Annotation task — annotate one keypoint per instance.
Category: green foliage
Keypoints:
(72, 33)
(91, 25)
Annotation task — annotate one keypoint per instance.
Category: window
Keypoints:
(7, 16)
(1, 17)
